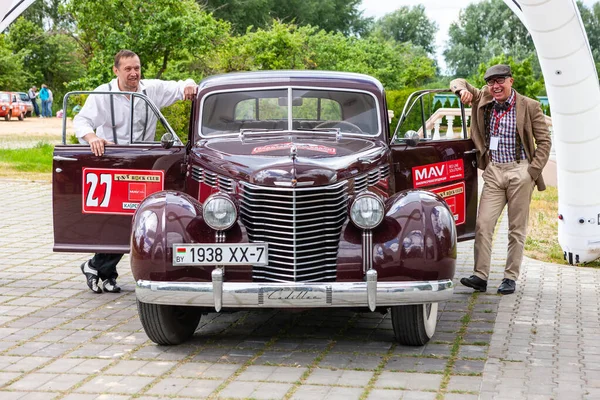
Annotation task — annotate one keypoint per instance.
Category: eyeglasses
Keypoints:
(499, 81)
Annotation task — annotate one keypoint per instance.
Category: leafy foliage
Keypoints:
(485, 30)
(408, 24)
(287, 46)
(330, 15)
(158, 31)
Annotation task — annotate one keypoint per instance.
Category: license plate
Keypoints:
(220, 254)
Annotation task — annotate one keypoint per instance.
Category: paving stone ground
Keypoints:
(58, 340)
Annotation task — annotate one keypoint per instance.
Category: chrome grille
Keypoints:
(302, 227)
(212, 179)
(364, 181)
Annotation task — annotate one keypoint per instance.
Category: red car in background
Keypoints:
(11, 107)
(24, 99)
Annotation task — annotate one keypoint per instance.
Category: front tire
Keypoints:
(7, 116)
(168, 325)
(414, 325)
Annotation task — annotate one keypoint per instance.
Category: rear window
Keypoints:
(24, 96)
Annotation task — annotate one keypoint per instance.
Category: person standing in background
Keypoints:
(32, 93)
(50, 100)
(44, 95)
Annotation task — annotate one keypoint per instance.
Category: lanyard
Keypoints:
(498, 118)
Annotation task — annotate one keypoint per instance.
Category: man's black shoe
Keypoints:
(91, 277)
(507, 286)
(475, 282)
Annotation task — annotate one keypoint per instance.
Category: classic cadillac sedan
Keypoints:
(290, 193)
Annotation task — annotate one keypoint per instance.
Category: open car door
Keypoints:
(94, 198)
(443, 163)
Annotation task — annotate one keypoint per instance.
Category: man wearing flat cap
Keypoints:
(513, 145)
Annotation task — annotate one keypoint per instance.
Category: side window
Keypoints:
(147, 126)
(435, 115)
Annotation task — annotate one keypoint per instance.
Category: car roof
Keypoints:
(292, 77)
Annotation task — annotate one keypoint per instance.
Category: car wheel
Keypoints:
(414, 325)
(168, 325)
(7, 116)
(21, 117)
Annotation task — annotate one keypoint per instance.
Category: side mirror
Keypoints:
(167, 140)
(412, 138)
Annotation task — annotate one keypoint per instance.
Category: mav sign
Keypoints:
(433, 174)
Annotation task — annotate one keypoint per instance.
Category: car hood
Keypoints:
(291, 160)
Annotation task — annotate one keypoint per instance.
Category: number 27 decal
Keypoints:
(118, 191)
(92, 198)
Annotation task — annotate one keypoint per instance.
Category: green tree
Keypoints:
(331, 15)
(287, 46)
(485, 30)
(49, 57)
(12, 75)
(160, 32)
(408, 24)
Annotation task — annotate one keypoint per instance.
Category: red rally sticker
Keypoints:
(454, 196)
(118, 191)
(434, 174)
(301, 146)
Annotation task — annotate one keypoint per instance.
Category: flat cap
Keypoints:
(497, 70)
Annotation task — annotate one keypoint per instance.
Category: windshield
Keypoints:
(4, 97)
(290, 109)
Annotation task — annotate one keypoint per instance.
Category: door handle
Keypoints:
(470, 151)
(61, 158)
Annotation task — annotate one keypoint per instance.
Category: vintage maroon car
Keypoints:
(290, 193)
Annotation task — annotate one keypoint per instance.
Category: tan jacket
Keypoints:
(531, 127)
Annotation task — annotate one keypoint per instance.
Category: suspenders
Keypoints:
(112, 116)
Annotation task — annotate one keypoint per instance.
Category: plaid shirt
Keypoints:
(504, 125)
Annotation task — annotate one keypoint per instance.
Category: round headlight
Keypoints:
(367, 211)
(219, 212)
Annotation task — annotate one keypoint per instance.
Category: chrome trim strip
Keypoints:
(367, 250)
(372, 289)
(246, 295)
(217, 286)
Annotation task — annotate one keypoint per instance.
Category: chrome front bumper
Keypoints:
(219, 294)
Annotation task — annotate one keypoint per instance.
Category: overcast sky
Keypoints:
(443, 12)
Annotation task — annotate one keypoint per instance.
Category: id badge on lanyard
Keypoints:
(495, 137)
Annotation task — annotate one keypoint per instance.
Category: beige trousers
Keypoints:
(506, 183)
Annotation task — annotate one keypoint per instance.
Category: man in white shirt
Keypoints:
(94, 123)
(103, 121)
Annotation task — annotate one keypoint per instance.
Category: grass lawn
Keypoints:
(542, 240)
(33, 163)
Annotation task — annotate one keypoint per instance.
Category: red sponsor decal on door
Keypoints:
(118, 191)
(434, 174)
(454, 196)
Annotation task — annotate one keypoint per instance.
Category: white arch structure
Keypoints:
(574, 95)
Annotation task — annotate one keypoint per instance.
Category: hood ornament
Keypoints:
(293, 152)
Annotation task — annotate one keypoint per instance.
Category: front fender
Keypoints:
(417, 238)
(162, 219)
(167, 218)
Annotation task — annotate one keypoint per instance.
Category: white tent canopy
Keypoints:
(10, 10)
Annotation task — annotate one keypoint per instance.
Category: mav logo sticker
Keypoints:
(433, 174)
